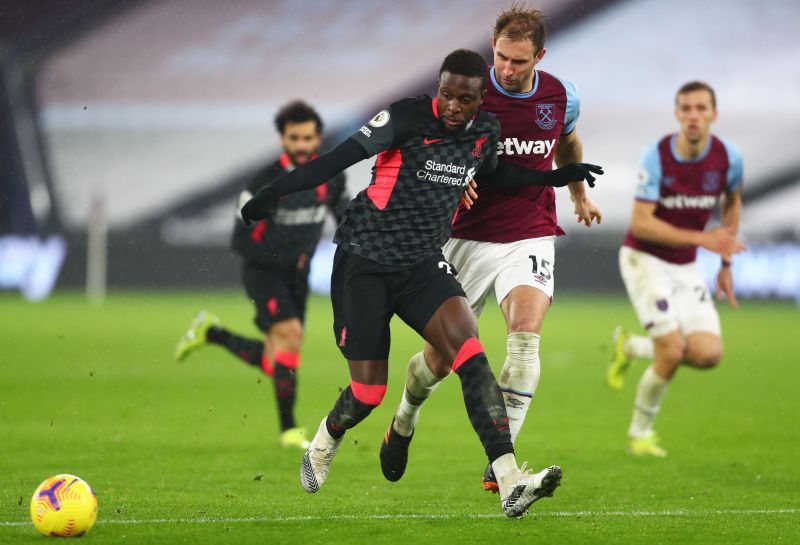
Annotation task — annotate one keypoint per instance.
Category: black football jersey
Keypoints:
(420, 173)
(294, 228)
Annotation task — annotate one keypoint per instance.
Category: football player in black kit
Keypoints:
(276, 252)
(389, 260)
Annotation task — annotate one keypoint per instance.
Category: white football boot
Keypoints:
(525, 487)
(317, 459)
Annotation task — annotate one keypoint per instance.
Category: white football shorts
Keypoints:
(483, 266)
(667, 296)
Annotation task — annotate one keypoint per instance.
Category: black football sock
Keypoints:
(285, 380)
(248, 350)
(485, 405)
(347, 413)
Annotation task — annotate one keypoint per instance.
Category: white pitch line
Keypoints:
(438, 516)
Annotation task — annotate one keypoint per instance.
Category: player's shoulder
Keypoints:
(420, 104)
(733, 151)
(548, 79)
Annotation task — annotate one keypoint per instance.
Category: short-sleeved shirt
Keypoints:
(295, 227)
(685, 191)
(531, 125)
(421, 171)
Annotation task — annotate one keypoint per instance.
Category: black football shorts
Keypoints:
(277, 295)
(366, 294)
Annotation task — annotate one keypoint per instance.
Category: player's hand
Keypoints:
(576, 172)
(725, 286)
(721, 240)
(586, 211)
(470, 194)
(259, 207)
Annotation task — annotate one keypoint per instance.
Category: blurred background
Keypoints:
(128, 128)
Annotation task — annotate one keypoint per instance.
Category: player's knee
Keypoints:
(368, 394)
(707, 358)
(671, 350)
(287, 336)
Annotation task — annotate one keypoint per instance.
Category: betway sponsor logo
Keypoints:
(512, 146)
(300, 216)
(682, 202)
(446, 173)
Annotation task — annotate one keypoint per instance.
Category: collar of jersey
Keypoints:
(673, 149)
(511, 94)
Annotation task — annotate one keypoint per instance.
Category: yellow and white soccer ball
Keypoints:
(63, 506)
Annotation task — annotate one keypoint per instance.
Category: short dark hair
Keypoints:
(297, 112)
(520, 22)
(693, 86)
(464, 62)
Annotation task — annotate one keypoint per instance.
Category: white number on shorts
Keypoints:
(446, 266)
(542, 264)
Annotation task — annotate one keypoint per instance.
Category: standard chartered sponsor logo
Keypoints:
(681, 202)
(300, 216)
(512, 146)
(442, 173)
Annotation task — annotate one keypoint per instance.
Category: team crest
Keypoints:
(668, 180)
(711, 180)
(380, 119)
(546, 116)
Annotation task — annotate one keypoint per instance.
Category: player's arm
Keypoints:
(731, 211)
(509, 175)
(304, 177)
(645, 225)
(570, 150)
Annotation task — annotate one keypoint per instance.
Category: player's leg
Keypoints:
(699, 320)
(285, 338)
(435, 306)
(703, 350)
(650, 284)
(428, 368)
(362, 312)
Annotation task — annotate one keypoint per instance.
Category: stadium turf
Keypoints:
(188, 453)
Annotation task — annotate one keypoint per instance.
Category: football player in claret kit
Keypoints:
(682, 177)
(389, 260)
(505, 243)
(276, 254)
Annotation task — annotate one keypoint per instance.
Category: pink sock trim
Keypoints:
(470, 347)
(369, 394)
(287, 359)
(266, 365)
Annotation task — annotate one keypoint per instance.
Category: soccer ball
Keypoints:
(63, 506)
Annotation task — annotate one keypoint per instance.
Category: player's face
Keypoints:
(300, 141)
(459, 99)
(695, 113)
(514, 62)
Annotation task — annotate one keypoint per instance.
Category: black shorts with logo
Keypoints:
(277, 294)
(366, 294)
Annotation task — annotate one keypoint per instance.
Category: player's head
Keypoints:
(695, 109)
(518, 45)
(301, 131)
(462, 86)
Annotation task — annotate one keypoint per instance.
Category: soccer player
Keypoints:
(682, 177)
(505, 242)
(389, 260)
(276, 254)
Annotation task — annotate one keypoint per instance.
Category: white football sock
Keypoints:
(639, 346)
(420, 384)
(504, 469)
(519, 377)
(648, 401)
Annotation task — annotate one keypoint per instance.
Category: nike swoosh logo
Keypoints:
(428, 141)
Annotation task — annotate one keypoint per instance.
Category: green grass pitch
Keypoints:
(188, 453)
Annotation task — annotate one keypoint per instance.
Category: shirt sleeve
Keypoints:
(735, 168)
(649, 186)
(378, 133)
(573, 106)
